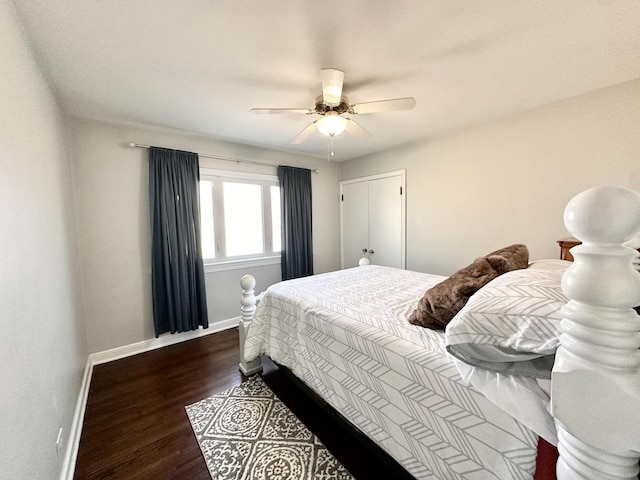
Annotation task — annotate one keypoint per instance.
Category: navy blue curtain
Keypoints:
(179, 297)
(295, 203)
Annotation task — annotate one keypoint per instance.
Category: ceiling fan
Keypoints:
(333, 104)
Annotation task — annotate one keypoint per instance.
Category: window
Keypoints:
(240, 216)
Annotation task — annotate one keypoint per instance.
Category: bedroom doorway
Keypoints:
(373, 219)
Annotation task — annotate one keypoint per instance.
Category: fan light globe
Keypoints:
(331, 125)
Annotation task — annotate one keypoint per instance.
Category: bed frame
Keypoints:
(596, 376)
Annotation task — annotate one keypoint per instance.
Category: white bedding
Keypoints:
(345, 334)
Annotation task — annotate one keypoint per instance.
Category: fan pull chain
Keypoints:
(330, 147)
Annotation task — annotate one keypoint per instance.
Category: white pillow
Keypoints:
(512, 324)
(549, 264)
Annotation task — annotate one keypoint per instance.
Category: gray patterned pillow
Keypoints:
(512, 325)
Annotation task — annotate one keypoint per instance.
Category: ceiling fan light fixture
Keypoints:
(331, 125)
(332, 104)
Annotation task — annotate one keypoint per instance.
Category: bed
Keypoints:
(472, 401)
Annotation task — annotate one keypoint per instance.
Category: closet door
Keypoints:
(373, 220)
(355, 222)
(385, 222)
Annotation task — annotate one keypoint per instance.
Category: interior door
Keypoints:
(355, 222)
(385, 221)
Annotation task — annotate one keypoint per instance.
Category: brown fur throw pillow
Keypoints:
(441, 303)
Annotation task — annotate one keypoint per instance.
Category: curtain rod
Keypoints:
(218, 157)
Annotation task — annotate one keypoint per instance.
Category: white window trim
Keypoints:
(241, 263)
(244, 175)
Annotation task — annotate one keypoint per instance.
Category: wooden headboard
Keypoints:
(566, 244)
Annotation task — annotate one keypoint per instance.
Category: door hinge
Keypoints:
(400, 190)
(342, 197)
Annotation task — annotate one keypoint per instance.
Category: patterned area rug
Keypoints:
(247, 433)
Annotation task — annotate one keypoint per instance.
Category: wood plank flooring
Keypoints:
(136, 427)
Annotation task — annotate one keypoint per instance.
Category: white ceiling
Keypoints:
(200, 65)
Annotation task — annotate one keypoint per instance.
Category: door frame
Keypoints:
(403, 234)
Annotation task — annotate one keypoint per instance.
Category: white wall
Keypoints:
(43, 343)
(508, 181)
(113, 225)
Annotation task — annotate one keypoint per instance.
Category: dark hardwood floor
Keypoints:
(136, 427)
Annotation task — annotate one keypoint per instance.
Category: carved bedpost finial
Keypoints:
(248, 301)
(606, 215)
(247, 310)
(596, 376)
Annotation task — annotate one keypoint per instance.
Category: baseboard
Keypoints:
(162, 341)
(71, 454)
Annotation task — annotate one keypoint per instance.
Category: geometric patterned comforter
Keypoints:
(346, 335)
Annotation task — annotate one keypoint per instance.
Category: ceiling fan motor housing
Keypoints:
(323, 108)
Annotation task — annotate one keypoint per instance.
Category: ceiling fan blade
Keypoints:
(406, 103)
(305, 111)
(332, 81)
(304, 134)
(355, 129)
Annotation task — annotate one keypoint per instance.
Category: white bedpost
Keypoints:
(596, 377)
(247, 310)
